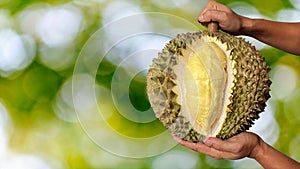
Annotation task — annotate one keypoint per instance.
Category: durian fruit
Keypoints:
(208, 84)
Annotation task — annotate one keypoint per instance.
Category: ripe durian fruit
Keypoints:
(208, 84)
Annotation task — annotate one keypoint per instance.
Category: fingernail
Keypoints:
(201, 18)
(208, 142)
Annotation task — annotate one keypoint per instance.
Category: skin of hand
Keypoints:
(228, 20)
(242, 145)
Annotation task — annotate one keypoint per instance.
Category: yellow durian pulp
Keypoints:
(204, 82)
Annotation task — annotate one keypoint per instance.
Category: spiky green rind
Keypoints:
(248, 97)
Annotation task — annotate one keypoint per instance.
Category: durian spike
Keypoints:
(212, 27)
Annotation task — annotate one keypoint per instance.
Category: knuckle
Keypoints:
(238, 148)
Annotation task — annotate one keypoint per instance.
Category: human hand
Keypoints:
(245, 144)
(227, 19)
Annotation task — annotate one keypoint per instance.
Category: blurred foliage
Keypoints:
(29, 95)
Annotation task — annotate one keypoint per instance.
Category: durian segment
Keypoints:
(223, 52)
(204, 84)
(206, 67)
(198, 87)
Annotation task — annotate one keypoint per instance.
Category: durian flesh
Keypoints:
(208, 85)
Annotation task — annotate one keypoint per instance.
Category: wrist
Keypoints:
(258, 151)
(247, 26)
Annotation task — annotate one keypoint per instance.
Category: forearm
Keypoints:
(270, 158)
(284, 36)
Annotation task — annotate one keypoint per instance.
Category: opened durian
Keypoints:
(208, 84)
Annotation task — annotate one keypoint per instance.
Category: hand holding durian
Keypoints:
(269, 32)
(246, 144)
(208, 87)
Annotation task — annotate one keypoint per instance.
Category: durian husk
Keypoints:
(245, 83)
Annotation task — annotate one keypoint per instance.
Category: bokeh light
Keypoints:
(171, 3)
(113, 13)
(176, 159)
(24, 162)
(266, 126)
(119, 9)
(294, 147)
(56, 28)
(16, 52)
(246, 9)
(247, 164)
(63, 106)
(281, 74)
(58, 58)
(10, 159)
(295, 3)
(5, 19)
(288, 15)
(30, 18)
(4, 120)
(59, 25)
(291, 107)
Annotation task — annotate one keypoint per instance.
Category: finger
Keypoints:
(228, 146)
(212, 15)
(225, 155)
(213, 5)
(199, 147)
(210, 151)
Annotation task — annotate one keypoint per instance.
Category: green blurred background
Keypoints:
(40, 42)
